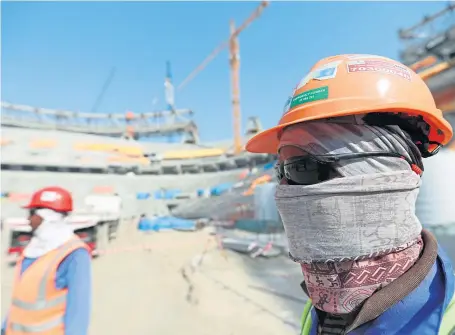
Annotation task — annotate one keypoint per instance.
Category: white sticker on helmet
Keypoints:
(324, 72)
(50, 196)
(287, 105)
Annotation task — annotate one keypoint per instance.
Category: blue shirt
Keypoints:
(73, 273)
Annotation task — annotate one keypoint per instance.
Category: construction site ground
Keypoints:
(164, 283)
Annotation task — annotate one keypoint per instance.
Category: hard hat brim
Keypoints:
(268, 140)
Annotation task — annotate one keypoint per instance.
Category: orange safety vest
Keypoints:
(37, 306)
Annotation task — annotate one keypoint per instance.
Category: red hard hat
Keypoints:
(55, 198)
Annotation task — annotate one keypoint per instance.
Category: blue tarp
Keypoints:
(269, 166)
(259, 226)
(165, 223)
(166, 194)
(221, 188)
(142, 195)
(264, 202)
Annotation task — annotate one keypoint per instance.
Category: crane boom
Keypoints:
(204, 63)
(223, 45)
(104, 88)
(234, 61)
(251, 18)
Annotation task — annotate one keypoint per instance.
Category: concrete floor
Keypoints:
(138, 288)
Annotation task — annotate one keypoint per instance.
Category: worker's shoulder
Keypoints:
(80, 252)
(79, 255)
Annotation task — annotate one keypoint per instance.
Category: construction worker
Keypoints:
(52, 289)
(350, 145)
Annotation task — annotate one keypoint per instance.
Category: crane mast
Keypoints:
(234, 60)
(235, 86)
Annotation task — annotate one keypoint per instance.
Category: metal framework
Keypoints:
(116, 125)
(430, 41)
(168, 122)
(430, 51)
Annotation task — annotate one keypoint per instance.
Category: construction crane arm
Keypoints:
(204, 63)
(223, 45)
(252, 17)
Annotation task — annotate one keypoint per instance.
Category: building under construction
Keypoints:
(429, 49)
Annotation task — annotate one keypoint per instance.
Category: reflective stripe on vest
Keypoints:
(447, 325)
(42, 327)
(306, 318)
(448, 321)
(42, 302)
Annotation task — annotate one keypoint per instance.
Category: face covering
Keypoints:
(52, 233)
(364, 215)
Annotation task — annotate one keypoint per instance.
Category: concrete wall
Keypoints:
(126, 186)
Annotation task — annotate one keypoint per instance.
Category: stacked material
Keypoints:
(166, 223)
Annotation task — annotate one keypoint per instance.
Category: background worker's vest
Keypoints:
(37, 306)
(427, 310)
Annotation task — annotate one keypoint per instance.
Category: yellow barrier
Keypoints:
(426, 62)
(43, 144)
(261, 180)
(431, 72)
(5, 141)
(109, 147)
(187, 154)
(93, 146)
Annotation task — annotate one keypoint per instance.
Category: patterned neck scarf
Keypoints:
(341, 287)
(355, 234)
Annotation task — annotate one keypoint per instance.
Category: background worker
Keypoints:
(350, 145)
(52, 289)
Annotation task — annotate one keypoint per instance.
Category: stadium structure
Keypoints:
(104, 153)
(112, 153)
(429, 49)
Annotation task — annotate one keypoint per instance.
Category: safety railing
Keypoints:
(193, 154)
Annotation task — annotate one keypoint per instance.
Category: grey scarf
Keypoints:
(367, 212)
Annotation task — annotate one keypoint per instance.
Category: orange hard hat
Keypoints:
(55, 198)
(356, 84)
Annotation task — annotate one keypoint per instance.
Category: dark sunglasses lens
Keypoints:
(279, 171)
(32, 212)
(303, 172)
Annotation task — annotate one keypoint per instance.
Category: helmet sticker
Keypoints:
(327, 71)
(374, 65)
(316, 94)
(50, 196)
(287, 105)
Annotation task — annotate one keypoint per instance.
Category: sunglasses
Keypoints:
(313, 169)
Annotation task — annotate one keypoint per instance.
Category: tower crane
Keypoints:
(234, 60)
(106, 85)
